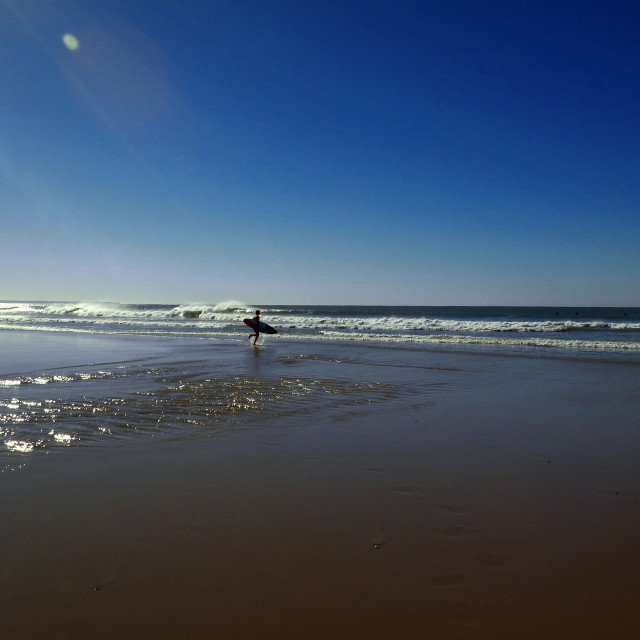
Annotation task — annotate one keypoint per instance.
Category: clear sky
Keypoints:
(363, 152)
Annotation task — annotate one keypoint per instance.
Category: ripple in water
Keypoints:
(178, 406)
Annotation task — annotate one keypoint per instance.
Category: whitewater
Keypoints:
(76, 374)
(603, 331)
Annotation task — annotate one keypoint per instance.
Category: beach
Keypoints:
(426, 213)
(410, 493)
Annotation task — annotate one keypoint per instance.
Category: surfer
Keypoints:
(257, 322)
(257, 326)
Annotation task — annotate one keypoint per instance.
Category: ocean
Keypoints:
(575, 331)
(78, 374)
(468, 470)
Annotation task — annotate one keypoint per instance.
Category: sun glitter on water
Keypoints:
(70, 41)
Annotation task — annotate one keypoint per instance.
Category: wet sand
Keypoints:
(505, 506)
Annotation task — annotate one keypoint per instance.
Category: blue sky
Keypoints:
(405, 152)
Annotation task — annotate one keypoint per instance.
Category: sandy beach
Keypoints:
(426, 214)
(471, 496)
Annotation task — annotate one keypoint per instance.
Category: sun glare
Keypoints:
(70, 41)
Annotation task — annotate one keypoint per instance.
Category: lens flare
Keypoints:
(70, 41)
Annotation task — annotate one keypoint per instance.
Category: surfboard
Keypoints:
(263, 327)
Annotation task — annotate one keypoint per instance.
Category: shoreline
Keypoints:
(603, 332)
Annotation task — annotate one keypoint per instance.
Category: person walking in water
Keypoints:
(256, 319)
(256, 325)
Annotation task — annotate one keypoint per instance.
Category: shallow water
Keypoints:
(114, 390)
(61, 391)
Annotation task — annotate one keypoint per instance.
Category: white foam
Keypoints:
(484, 340)
(224, 319)
(10, 383)
(105, 310)
(231, 305)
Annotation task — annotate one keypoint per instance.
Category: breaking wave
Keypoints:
(615, 329)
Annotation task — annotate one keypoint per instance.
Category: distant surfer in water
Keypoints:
(257, 321)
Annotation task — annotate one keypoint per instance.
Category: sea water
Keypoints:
(104, 374)
(568, 330)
